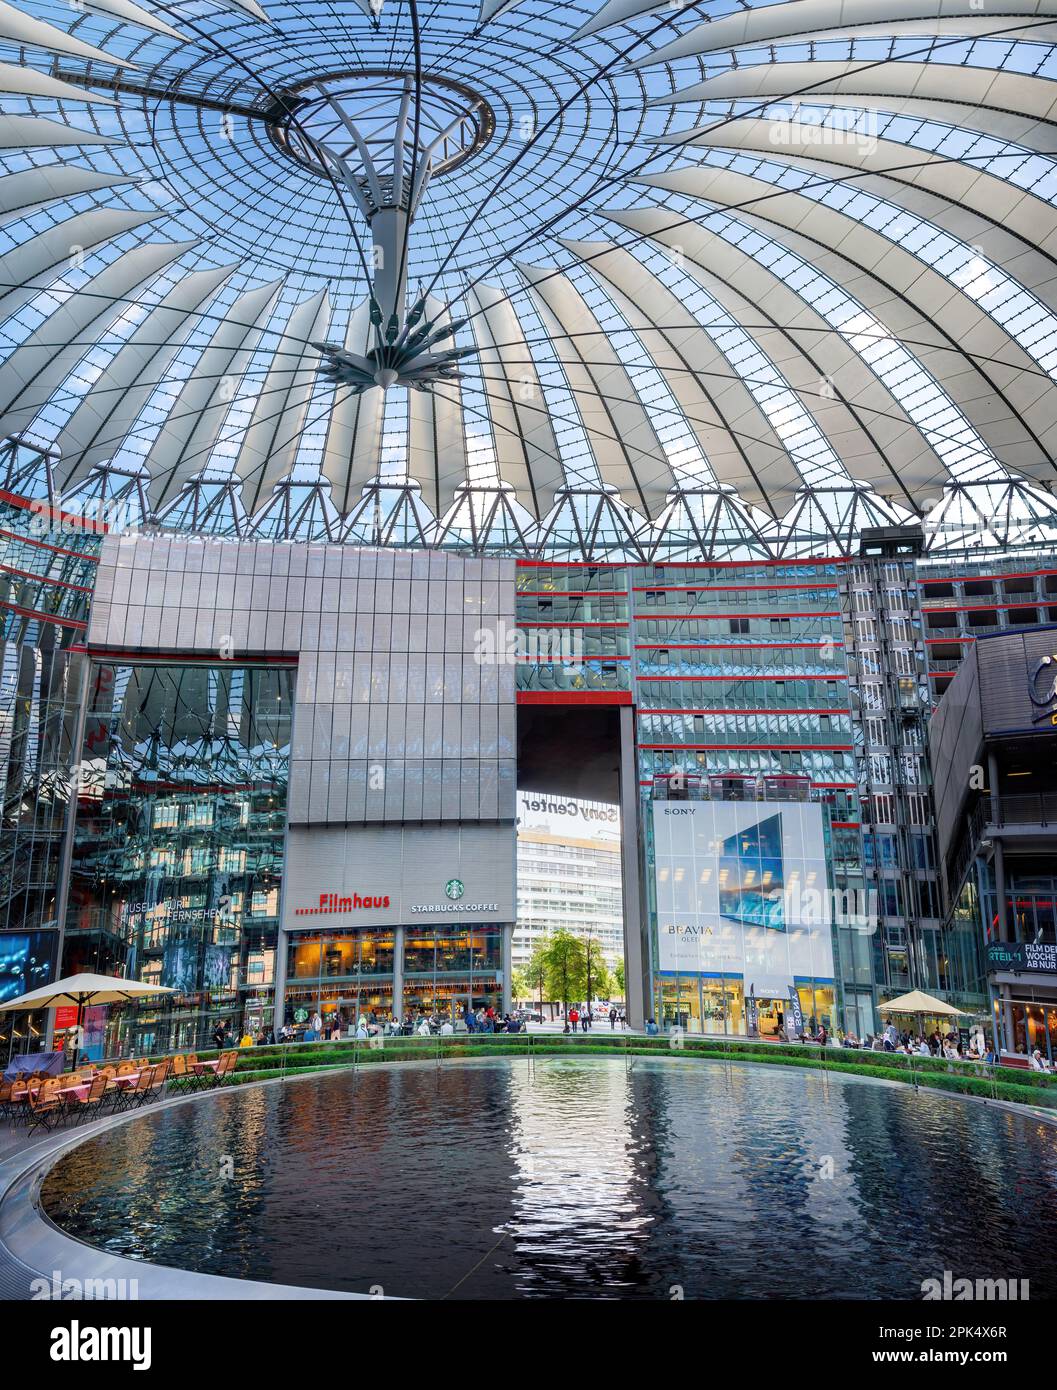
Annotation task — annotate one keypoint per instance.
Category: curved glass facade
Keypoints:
(178, 842)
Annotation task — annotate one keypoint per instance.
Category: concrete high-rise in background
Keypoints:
(568, 874)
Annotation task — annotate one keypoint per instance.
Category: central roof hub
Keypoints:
(370, 112)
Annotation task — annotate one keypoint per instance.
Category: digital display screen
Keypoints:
(27, 961)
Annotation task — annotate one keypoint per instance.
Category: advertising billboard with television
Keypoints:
(742, 891)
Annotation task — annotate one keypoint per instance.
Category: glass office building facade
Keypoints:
(778, 681)
(764, 681)
(743, 696)
(177, 850)
(47, 571)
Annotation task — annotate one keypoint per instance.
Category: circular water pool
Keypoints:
(576, 1178)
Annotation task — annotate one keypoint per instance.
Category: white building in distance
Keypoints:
(568, 873)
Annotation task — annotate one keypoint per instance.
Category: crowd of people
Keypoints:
(947, 1046)
(581, 1016)
(417, 1023)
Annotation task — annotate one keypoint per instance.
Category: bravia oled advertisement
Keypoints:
(742, 892)
(750, 875)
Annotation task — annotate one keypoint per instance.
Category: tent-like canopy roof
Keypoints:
(726, 255)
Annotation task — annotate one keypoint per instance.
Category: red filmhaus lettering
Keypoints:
(343, 902)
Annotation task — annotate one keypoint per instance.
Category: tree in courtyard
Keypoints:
(566, 967)
(618, 975)
(596, 975)
(535, 970)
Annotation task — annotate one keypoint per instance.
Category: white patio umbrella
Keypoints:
(919, 1003)
(85, 990)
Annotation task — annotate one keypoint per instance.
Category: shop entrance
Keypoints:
(1035, 1026)
(707, 1004)
(771, 1017)
(717, 1005)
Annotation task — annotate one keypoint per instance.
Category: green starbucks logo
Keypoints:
(454, 889)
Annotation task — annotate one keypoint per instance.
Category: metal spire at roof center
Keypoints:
(385, 150)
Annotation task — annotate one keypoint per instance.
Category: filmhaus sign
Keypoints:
(342, 903)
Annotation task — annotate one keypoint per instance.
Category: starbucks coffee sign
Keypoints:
(454, 890)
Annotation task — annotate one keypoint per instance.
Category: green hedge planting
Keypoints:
(297, 1059)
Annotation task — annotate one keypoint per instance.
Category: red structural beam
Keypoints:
(574, 697)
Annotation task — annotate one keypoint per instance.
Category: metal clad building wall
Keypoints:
(955, 742)
(405, 704)
(411, 865)
(990, 697)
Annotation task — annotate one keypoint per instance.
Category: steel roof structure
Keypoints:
(599, 281)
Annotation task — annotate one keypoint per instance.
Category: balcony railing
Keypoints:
(1021, 808)
(1015, 809)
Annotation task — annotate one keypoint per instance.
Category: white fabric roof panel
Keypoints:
(629, 455)
(758, 300)
(618, 12)
(1013, 228)
(31, 267)
(113, 403)
(136, 14)
(28, 82)
(33, 188)
(35, 132)
(38, 367)
(270, 443)
(436, 444)
(526, 449)
(436, 436)
(808, 19)
(996, 380)
(1035, 97)
(184, 444)
(734, 434)
(352, 454)
(34, 33)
